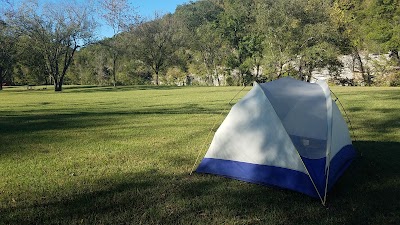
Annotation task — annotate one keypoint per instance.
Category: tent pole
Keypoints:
(328, 160)
(312, 181)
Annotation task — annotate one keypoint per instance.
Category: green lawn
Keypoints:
(99, 155)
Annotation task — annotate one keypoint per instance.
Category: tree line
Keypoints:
(224, 42)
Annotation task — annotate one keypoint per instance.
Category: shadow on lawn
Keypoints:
(368, 193)
(91, 89)
(31, 127)
(369, 190)
(54, 120)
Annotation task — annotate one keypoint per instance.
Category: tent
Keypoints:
(285, 133)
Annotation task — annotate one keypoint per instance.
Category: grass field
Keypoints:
(99, 155)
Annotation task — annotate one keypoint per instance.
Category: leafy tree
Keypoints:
(298, 36)
(320, 43)
(278, 28)
(8, 53)
(350, 19)
(235, 23)
(31, 66)
(154, 43)
(210, 53)
(195, 14)
(252, 46)
(175, 76)
(201, 42)
(92, 66)
(57, 32)
(119, 15)
(383, 27)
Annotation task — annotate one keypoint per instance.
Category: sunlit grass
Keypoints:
(100, 155)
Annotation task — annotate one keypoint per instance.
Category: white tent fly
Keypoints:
(284, 133)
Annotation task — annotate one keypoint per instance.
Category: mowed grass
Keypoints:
(99, 155)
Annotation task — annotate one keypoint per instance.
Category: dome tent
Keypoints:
(284, 133)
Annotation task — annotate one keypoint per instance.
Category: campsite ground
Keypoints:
(99, 155)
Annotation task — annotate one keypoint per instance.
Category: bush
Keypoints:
(394, 79)
(230, 81)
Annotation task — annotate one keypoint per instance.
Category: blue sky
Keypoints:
(146, 9)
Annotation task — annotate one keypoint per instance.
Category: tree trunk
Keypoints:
(157, 78)
(369, 81)
(280, 68)
(209, 76)
(241, 78)
(308, 79)
(300, 70)
(1, 79)
(58, 83)
(362, 69)
(395, 55)
(57, 86)
(216, 75)
(114, 70)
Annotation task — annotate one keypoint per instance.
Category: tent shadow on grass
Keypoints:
(368, 192)
(371, 185)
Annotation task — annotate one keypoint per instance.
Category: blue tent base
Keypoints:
(282, 177)
(259, 174)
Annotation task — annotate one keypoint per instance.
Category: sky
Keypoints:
(145, 8)
(148, 7)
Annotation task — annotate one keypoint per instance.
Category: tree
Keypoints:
(154, 43)
(383, 28)
(278, 27)
(202, 39)
(195, 14)
(57, 32)
(211, 52)
(350, 19)
(91, 66)
(298, 37)
(7, 52)
(119, 15)
(236, 24)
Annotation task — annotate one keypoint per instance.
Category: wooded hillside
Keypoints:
(235, 42)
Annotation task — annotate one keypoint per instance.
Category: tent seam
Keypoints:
(308, 173)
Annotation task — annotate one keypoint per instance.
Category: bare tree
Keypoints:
(119, 15)
(57, 31)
